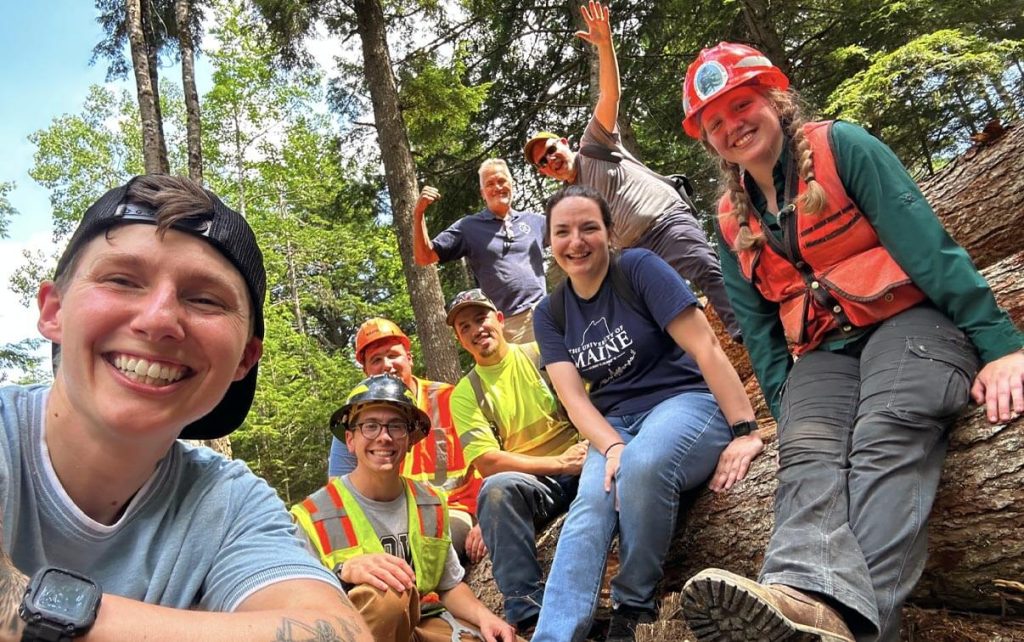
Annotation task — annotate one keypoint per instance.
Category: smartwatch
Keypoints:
(58, 605)
(743, 428)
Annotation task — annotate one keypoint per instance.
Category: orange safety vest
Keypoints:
(339, 529)
(438, 459)
(830, 271)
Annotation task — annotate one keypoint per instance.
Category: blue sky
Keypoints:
(45, 46)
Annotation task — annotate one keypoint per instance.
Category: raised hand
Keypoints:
(427, 196)
(599, 31)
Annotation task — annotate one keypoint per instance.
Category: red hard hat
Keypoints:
(720, 68)
(374, 330)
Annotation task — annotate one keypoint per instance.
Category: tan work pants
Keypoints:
(395, 617)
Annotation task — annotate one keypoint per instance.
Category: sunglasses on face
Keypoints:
(548, 151)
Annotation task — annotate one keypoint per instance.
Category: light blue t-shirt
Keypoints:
(203, 533)
(506, 256)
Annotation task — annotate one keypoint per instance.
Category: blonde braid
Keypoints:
(745, 237)
(813, 199)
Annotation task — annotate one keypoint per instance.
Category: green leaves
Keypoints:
(925, 98)
(439, 106)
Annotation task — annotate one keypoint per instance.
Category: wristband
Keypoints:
(618, 443)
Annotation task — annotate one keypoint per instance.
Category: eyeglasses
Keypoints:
(396, 429)
(548, 151)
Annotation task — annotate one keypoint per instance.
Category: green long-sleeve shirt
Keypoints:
(906, 226)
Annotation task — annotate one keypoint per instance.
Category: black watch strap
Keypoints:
(743, 428)
(43, 631)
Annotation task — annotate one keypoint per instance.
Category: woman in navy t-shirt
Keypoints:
(659, 385)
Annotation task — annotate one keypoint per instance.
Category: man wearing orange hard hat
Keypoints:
(383, 348)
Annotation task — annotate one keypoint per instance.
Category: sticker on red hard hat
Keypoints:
(711, 78)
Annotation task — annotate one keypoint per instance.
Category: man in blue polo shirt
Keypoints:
(505, 248)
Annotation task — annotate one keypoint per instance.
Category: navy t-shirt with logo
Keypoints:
(630, 361)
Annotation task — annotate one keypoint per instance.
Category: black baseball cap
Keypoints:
(228, 232)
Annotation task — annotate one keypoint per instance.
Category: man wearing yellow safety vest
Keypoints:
(382, 347)
(386, 537)
(514, 432)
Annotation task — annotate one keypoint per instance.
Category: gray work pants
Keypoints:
(862, 438)
(677, 237)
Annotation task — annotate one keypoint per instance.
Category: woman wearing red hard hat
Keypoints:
(866, 324)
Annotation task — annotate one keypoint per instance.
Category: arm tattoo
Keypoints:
(292, 630)
(12, 590)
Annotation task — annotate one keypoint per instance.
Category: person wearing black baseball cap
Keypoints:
(155, 313)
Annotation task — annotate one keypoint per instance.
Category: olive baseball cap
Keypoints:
(537, 139)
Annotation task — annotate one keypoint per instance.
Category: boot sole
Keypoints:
(721, 611)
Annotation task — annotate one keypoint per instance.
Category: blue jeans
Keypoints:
(862, 438)
(670, 449)
(509, 509)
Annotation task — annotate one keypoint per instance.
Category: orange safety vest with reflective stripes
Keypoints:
(830, 271)
(438, 459)
(339, 529)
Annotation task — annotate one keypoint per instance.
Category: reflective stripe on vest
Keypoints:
(838, 275)
(324, 514)
(333, 525)
(438, 460)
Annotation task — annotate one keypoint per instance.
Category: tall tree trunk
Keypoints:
(148, 14)
(154, 152)
(193, 125)
(239, 159)
(757, 18)
(400, 175)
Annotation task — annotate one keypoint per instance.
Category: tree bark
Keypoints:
(979, 197)
(193, 124)
(154, 152)
(757, 18)
(400, 175)
(149, 20)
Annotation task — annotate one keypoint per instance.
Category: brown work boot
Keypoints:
(721, 606)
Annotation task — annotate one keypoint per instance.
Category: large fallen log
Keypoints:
(980, 197)
(977, 526)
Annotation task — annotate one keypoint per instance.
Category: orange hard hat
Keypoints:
(721, 68)
(373, 330)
